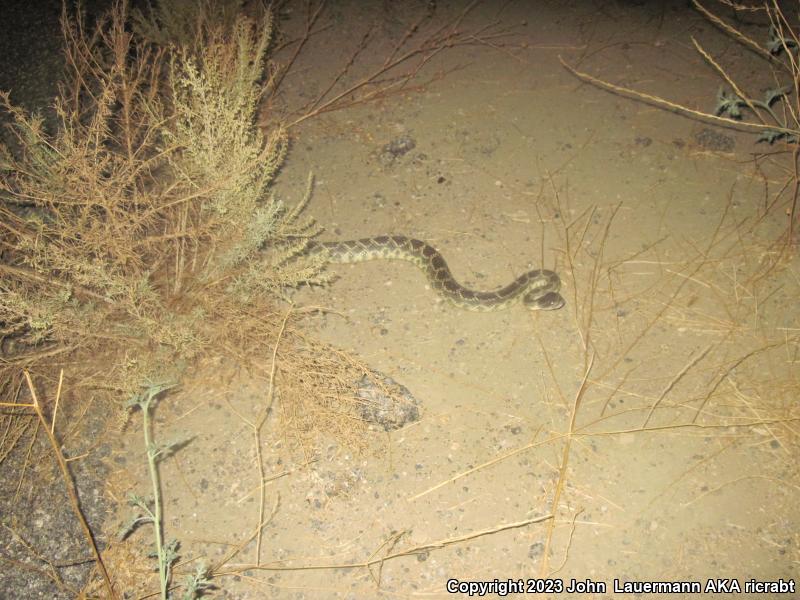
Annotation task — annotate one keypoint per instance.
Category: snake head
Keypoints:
(550, 301)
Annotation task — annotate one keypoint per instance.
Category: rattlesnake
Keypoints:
(537, 289)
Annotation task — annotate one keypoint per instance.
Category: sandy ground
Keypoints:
(517, 165)
(656, 224)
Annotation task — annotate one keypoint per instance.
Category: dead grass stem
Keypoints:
(70, 487)
(377, 559)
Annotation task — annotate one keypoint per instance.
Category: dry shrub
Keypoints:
(138, 224)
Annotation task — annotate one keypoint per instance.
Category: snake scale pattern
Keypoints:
(538, 289)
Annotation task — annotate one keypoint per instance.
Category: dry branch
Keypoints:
(68, 483)
(671, 106)
(385, 79)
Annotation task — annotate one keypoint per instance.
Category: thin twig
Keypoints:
(736, 34)
(413, 551)
(730, 81)
(73, 496)
(674, 381)
(562, 470)
(678, 108)
(257, 430)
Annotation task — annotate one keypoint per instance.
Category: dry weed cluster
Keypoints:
(137, 223)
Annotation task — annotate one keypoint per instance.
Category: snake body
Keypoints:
(538, 289)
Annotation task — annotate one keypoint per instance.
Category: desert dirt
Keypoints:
(647, 431)
(516, 164)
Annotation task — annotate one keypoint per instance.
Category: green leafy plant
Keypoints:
(150, 510)
(730, 105)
